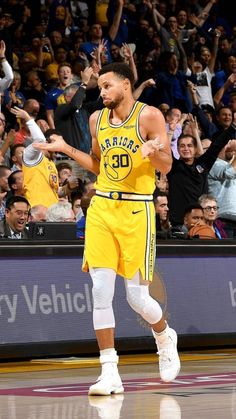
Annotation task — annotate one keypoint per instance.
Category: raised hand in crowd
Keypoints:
(20, 113)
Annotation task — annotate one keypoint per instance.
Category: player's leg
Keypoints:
(138, 297)
(104, 324)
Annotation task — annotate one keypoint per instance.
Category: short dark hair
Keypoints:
(13, 199)
(11, 179)
(122, 70)
(190, 207)
(3, 169)
(14, 148)
(182, 136)
(63, 165)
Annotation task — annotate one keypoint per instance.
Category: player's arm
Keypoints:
(90, 162)
(157, 147)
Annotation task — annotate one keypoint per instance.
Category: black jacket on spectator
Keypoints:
(72, 121)
(188, 182)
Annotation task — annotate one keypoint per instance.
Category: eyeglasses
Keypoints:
(3, 121)
(208, 209)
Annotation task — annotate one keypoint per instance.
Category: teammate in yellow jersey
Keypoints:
(129, 142)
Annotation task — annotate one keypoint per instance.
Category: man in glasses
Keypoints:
(210, 213)
(16, 217)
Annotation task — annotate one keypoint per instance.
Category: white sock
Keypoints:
(108, 351)
(162, 336)
(109, 366)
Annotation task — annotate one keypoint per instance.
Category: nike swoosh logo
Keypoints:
(136, 212)
(102, 128)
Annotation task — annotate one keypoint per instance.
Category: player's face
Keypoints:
(112, 89)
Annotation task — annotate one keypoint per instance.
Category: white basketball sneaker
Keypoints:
(169, 362)
(109, 381)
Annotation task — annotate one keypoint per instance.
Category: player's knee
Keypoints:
(136, 299)
(102, 291)
(141, 302)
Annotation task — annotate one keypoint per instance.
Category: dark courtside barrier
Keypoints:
(46, 301)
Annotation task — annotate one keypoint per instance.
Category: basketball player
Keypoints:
(129, 143)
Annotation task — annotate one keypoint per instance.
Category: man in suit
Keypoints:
(16, 217)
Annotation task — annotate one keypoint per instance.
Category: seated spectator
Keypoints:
(162, 219)
(194, 223)
(16, 218)
(210, 210)
(60, 212)
(67, 181)
(81, 220)
(76, 205)
(38, 213)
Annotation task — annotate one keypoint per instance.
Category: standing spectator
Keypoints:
(72, 117)
(96, 37)
(4, 188)
(54, 96)
(37, 54)
(31, 106)
(40, 173)
(7, 70)
(222, 184)
(188, 175)
(16, 184)
(35, 90)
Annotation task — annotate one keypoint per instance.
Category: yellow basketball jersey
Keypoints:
(122, 167)
(41, 183)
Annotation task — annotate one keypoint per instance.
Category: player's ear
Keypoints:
(126, 84)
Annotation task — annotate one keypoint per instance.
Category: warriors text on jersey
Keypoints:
(122, 167)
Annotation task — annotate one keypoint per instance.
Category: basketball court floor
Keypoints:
(57, 389)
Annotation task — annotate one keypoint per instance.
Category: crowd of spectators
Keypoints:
(183, 55)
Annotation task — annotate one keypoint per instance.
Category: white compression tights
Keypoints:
(140, 300)
(137, 296)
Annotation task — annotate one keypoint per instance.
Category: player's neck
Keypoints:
(122, 111)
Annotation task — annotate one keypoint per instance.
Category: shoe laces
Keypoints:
(166, 352)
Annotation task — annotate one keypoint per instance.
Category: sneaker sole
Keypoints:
(101, 392)
(169, 381)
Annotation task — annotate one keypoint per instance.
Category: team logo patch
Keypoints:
(117, 164)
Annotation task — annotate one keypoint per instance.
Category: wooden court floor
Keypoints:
(57, 389)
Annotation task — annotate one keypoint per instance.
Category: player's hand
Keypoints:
(56, 143)
(150, 148)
